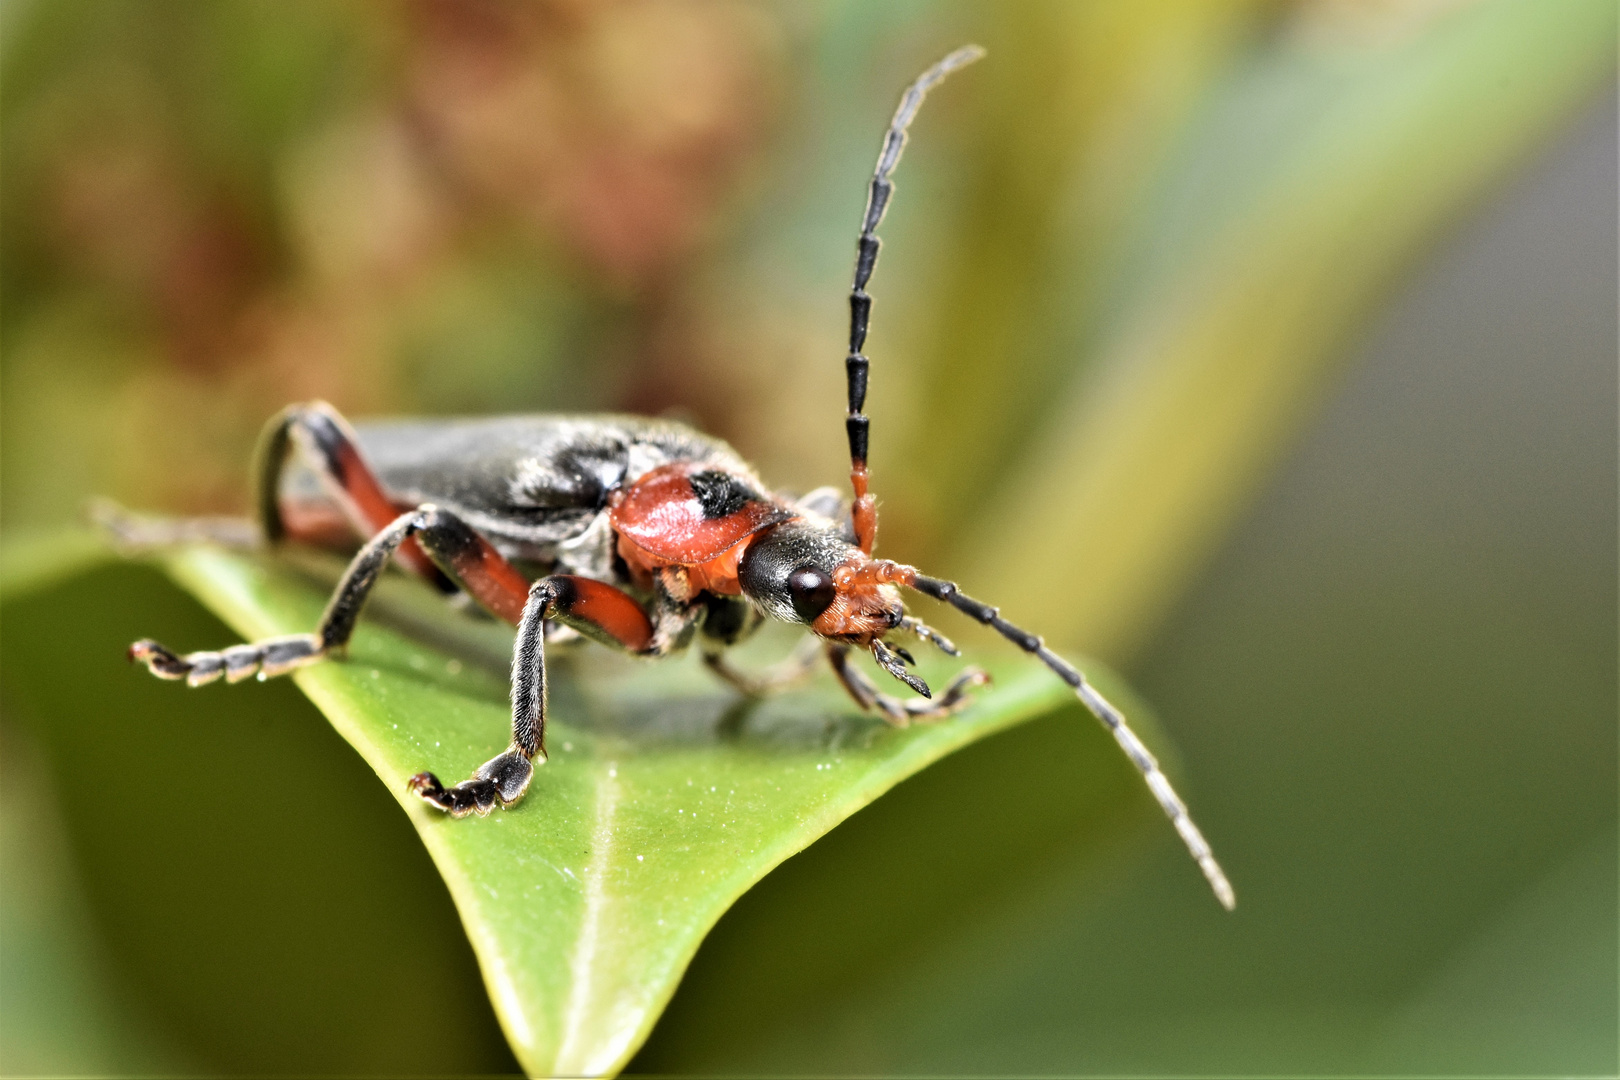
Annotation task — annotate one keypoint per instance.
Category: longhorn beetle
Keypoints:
(641, 534)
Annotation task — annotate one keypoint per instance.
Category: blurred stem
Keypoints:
(1218, 359)
(1096, 93)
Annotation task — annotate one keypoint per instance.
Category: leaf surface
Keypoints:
(664, 799)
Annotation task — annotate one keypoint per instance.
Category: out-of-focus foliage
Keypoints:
(1125, 252)
(413, 207)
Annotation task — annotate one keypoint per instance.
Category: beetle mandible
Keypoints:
(641, 534)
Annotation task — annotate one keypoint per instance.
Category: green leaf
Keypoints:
(59, 1013)
(664, 799)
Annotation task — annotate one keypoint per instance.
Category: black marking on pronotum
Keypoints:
(721, 494)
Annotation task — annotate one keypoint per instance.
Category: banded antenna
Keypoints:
(856, 365)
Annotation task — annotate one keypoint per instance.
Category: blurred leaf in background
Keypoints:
(1127, 255)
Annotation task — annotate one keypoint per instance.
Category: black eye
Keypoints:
(812, 591)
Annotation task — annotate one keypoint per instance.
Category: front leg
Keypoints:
(897, 712)
(596, 609)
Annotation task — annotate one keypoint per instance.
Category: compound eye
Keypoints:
(812, 591)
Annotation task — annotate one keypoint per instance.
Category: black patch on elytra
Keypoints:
(721, 494)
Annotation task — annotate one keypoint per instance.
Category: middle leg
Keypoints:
(463, 554)
(598, 609)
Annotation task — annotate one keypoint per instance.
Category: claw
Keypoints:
(502, 779)
(159, 660)
(888, 661)
(467, 797)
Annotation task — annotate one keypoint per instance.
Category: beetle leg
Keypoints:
(676, 612)
(897, 712)
(467, 557)
(330, 443)
(135, 534)
(596, 609)
(599, 611)
(778, 676)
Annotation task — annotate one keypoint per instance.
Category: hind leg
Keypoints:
(330, 445)
(362, 510)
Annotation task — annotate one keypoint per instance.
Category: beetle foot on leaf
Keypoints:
(502, 779)
(275, 656)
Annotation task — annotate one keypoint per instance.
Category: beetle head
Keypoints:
(804, 571)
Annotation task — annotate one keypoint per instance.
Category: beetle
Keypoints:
(642, 534)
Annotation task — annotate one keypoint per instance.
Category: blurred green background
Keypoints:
(1266, 350)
